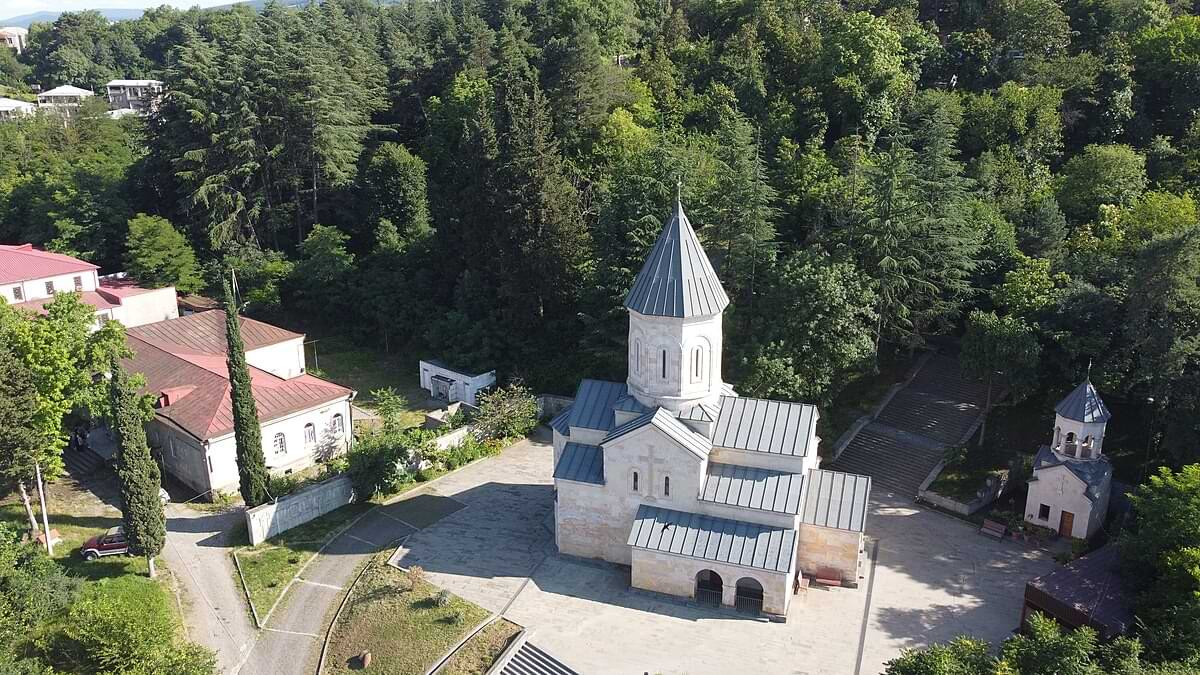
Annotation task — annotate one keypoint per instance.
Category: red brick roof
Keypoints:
(24, 262)
(183, 364)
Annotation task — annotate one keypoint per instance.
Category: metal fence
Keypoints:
(708, 597)
(748, 604)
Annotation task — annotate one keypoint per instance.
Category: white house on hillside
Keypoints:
(11, 109)
(14, 37)
(303, 418)
(29, 278)
(704, 493)
(1072, 478)
(137, 95)
(63, 99)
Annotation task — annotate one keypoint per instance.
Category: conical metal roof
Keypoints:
(1083, 405)
(677, 279)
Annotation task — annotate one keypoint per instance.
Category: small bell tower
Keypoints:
(1079, 423)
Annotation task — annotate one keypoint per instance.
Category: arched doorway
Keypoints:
(749, 596)
(709, 588)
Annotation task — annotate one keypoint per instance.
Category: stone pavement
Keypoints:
(933, 577)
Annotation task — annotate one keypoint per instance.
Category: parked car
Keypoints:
(112, 542)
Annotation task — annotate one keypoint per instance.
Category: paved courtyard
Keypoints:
(931, 577)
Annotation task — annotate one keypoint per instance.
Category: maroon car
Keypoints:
(111, 542)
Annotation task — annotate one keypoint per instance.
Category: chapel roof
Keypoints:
(677, 279)
(836, 500)
(581, 463)
(1083, 404)
(594, 402)
(1095, 473)
(1092, 586)
(736, 542)
(662, 419)
(763, 425)
(753, 488)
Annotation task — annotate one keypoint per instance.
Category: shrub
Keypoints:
(507, 412)
(442, 599)
(416, 574)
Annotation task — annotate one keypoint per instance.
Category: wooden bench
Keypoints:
(993, 529)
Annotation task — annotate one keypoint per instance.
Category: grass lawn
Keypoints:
(860, 396)
(1012, 432)
(478, 654)
(338, 359)
(268, 567)
(397, 618)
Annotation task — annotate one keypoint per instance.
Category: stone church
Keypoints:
(703, 493)
(1072, 478)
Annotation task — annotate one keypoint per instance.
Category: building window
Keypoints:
(666, 486)
(339, 426)
(280, 444)
(18, 295)
(49, 288)
(1043, 512)
(78, 283)
(637, 356)
(664, 364)
(310, 434)
(635, 478)
(697, 363)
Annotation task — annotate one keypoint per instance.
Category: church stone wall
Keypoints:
(1061, 490)
(590, 525)
(824, 548)
(650, 336)
(676, 575)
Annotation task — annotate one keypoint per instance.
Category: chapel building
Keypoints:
(703, 493)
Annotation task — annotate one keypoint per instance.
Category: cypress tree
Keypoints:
(145, 524)
(252, 465)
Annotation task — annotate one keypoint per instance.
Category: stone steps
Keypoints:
(529, 660)
(893, 465)
(81, 463)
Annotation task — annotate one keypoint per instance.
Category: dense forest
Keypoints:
(481, 179)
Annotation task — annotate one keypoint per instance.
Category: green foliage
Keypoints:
(321, 279)
(142, 511)
(36, 591)
(1101, 174)
(506, 412)
(64, 354)
(158, 255)
(395, 183)
(384, 459)
(19, 443)
(252, 465)
(117, 628)
(1004, 348)
(1030, 288)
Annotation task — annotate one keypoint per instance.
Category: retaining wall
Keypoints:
(314, 501)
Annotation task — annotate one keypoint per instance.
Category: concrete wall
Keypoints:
(447, 441)
(550, 405)
(466, 387)
(285, 359)
(1089, 515)
(314, 501)
(676, 575)
(828, 548)
(149, 307)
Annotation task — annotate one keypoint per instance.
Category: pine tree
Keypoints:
(145, 525)
(252, 465)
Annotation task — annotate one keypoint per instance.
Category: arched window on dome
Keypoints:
(697, 363)
(637, 356)
(664, 364)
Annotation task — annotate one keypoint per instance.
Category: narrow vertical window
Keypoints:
(637, 356)
(635, 486)
(78, 283)
(339, 425)
(280, 444)
(310, 434)
(18, 295)
(49, 288)
(664, 364)
(666, 486)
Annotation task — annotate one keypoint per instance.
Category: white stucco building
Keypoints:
(64, 99)
(11, 109)
(303, 418)
(1072, 478)
(449, 384)
(703, 493)
(30, 277)
(140, 96)
(14, 37)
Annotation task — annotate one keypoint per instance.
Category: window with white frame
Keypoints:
(310, 434)
(49, 288)
(339, 425)
(18, 294)
(280, 444)
(78, 283)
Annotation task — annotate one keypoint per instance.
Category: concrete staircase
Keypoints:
(909, 436)
(81, 463)
(529, 660)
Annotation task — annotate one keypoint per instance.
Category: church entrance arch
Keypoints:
(749, 596)
(708, 588)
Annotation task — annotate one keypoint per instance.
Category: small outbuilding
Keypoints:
(1086, 592)
(445, 383)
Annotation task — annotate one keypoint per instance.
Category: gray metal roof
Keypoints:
(671, 427)
(1083, 405)
(1095, 473)
(581, 463)
(677, 279)
(723, 540)
(762, 425)
(562, 422)
(628, 403)
(701, 412)
(593, 406)
(753, 488)
(835, 499)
